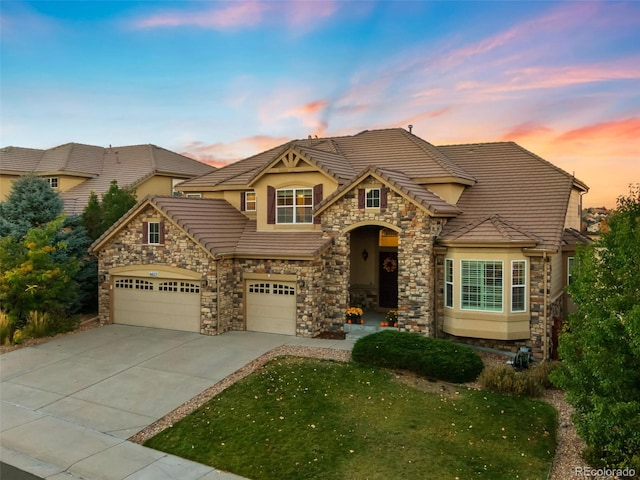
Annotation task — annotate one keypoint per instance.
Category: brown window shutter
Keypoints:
(243, 202)
(317, 198)
(145, 232)
(383, 198)
(361, 198)
(271, 205)
(161, 232)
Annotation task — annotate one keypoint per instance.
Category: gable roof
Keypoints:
(343, 157)
(515, 184)
(129, 165)
(490, 230)
(221, 230)
(401, 184)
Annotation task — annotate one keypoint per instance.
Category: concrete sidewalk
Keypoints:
(68, 406)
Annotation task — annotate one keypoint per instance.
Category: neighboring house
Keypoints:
(75, 170)
(469, 242)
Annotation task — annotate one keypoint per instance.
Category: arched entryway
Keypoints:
(373, 277)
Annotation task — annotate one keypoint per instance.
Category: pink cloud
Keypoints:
(618, 134)
(220, 154)
(243, 14)
(231, 15)
(526, 129)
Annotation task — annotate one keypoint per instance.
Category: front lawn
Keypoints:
(304, 418)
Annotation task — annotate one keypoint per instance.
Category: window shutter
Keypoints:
(243, 202)
(317, 198)
(161, 228)
(383, 198)
(271, 205)
(361, 195)
(145, 232)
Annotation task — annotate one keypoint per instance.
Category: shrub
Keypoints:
(433, 358)
(5, 328)
(504, 379)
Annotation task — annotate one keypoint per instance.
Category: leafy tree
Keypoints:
(92, 216)
(31, 203)
(99, 216)
(601, 346)
(115, 203)
(32, 274)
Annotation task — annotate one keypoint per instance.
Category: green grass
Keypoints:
(307, 419)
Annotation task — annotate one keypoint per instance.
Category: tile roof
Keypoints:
(423, 197)
(129, 165)
(344, 157)
(223, 231)
(491, 229)
(572, 237)
(520, 187)
(278, 244)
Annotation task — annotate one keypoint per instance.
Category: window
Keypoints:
(154, 233)
(372, 198)
(193, 195)
(294, 205)
(448, 282)
(481, 285)
(569, 270)
(518, 286)
(52, 181)
(249, 201)
(174, 182)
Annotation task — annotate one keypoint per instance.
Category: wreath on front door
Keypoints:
(390, 264)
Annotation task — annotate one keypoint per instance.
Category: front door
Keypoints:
(388, 267)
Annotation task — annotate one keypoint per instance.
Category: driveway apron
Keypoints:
(67, 406)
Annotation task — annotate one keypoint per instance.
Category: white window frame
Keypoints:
(304, 218)
(570, 266)
(519, 286)
(174, 182)
(372, 198)
(193, 195)
(483, 290)
(53, 182)
(153, 233)
(448, 283)
(248, 202)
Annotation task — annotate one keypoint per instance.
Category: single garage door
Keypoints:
(271, 307)
(159, 303)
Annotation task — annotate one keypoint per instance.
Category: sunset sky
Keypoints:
(220, 81)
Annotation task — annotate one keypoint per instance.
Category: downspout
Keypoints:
(218, 296)
(545, 353)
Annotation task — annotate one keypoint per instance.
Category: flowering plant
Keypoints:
(354, 313)
(392, 316)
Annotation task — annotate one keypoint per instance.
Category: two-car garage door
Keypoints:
(271, 306)
(159, 303)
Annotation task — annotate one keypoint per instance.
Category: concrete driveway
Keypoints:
(68, 406)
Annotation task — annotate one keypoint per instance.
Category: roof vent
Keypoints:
(410, 128)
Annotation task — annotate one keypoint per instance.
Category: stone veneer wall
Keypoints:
(415, 258)
(126, 249)
(536, 307)
(309, 299)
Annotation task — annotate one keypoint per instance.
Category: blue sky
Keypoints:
(219, 81)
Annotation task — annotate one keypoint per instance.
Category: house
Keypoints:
(75, 170)
(469, 242)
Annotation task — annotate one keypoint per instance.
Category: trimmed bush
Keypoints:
(433, 358)
(504, 379)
